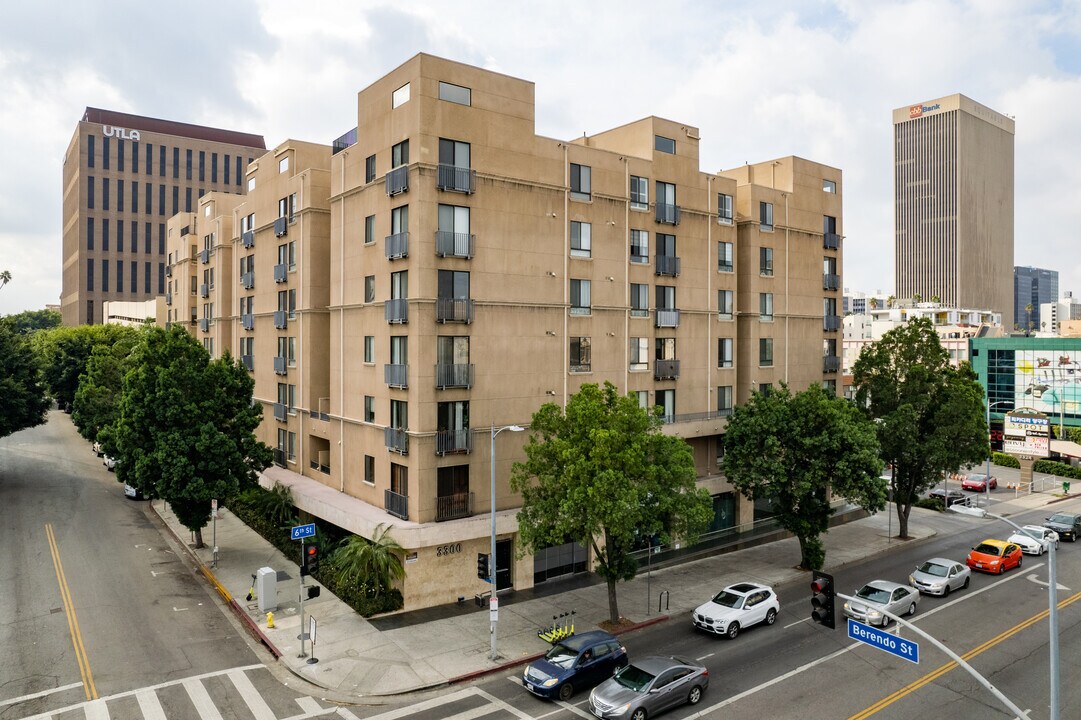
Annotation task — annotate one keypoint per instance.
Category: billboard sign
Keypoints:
(1026, 433)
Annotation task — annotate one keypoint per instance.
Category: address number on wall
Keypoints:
(444, 550)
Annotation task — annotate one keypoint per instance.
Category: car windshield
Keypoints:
(1033, 533)
(728, 599)
(933, 569)
(986, 549)
(873, 594)
(634, 678)
(1062, 518)
(561, 656)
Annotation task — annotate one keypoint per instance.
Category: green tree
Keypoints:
(185, 429)
(797, 451)
(21, 388)
(64, 352)
(5, 277)
(30, 321)
(99, 390)
(929, 414)
(601, 473)
(374, 565)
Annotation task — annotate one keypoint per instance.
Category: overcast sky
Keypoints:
(760, 79)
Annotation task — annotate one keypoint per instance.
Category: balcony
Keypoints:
(831, 363)
(453, 244)
(831, 322)
(249, 362)
(453, 376)
(280, 411)
(320, 465)
(281, 272)
(397, 246)
(451, 442)
(204, 290)
(396, 440)
(396, 311)
(454, 310)
(168, 298)
(279, 457)
(247, 280)
(281, 226)
(456, 179)
(397, 181)
(668, 213)
(168, 270)
(452, 507)
(204, 324)
(667, 318)
(204, 256)
(396, 376)
(665, 369)
(831, 281)
(831, 241)
(247, 321)
(281, 319)
(395, 504)
(281, 366)
(248, 238)
(667, 265)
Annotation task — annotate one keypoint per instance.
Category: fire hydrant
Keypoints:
(270, 619)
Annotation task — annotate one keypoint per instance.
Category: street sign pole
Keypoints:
(214, 531)
(303, 635)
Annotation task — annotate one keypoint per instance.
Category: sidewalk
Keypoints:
(356, 658)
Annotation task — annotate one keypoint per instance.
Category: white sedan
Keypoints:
(737, 606)
(1035, 539)
(879, 595)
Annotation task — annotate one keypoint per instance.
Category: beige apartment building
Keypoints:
(405, 295)
(953, 205)
(124, 177)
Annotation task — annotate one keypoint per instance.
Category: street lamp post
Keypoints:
(1052, 600)
(491, 559)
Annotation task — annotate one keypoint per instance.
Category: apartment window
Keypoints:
(161, 161)
(829, 224)
(642, 396)
(134, 196)
(663, 144)
(829, 347)
(829, 306)
(213, 167)
(133, 277)
(399, 220)
(369, 348)
(369, 169)
(665, 349)
(580, 301)
(400, 96)
(176, 163)
(765, 306)
(452, 350)
(287, 255)
(581, 239)
(765, 352)
(666, 400)
(148, 194)
(725, 303)
(369, 470)
(454, 152)
(90, 151)
(89, 312)
(105, 193)
(105, 276)
(90, 274)
(369, 409)
(726, 257)
(120, 236)
(90, 233)
(666, 297)
(251, 183)
(639, 300)
(639, 193)
(176, 199)
(724, 399)
(105, 234)
(399, 414)
(666, 245)
(399, 154)
(724, 208)
(399, 285)
(638, 353)
(830, 386)
(580, 354)
(666, 193)
(725, 346)
(135, 157)
(369, 229)
(287, 302)
(453, 284)
(187, 200)
(283, 164)
(399, 349)
(239, 170)
(287, 349)
(829, 265)
(187, 164)
(765, 215)
(161, 200)
(369, 288)
(90, 192)
(829, 186)
(120, 155)
(765, 261)
(639, 246)
(581, 182)
(455, 220)
(105, 153)
(455, 93)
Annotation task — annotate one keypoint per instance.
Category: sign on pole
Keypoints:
(311, 630)
(493, 609)
(1026, 433)
(299, 532)
(904, 649)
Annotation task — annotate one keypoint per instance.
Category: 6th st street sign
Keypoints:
(299, 532)
(904, 649)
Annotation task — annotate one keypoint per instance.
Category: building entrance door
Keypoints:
(503, 560)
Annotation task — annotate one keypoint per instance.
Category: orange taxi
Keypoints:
(994, 556)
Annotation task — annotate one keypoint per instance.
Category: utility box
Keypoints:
(266, 589)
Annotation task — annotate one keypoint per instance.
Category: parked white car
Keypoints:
(938, 576)
(736, 607)
(98, 450)
(109, 463)
(879, 595)
(1035, 539)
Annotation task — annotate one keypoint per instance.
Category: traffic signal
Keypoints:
(822, 599)
(482, 566)
(309, 563)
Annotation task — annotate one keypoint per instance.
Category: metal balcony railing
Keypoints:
(281, 226)
(454, 244)
(396, 311)
(459, 440)
(831, 281)
(397, 246)
(831, 363)
(667, 265)
(454, 310)
(395, 504)
(667, 318)
(668, 213)
(281, 319)
(397, 180)
(204, 256)
(280, 411)
(249, 362)
(281, 273)
(831, 241)
(665, 369)
(168, 298)
(204, 324)
(451, 507)
(248, 280)
(204, 290)
(396, 376)
(168, 270)
(396, 440)
(456, 179)
(281, 366)
(453, 376)
(316, 465)
(247, 238)
(279, 457)
(247, 321)
(831, 322)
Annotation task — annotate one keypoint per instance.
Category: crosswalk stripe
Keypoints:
(510, 708)
(149, 705)
(251, 696)
(426, 705)
(204, 705)
(96, 710)
(308, 705)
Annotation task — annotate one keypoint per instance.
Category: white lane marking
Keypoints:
(149, 706)
(798, 622)
(204, 704)
(251, 696)
(96, 710)
(308, 704)
(43, 693)
(425, 706)
(705, 656)
(565, 705)
(1033, 578)
(176, 609)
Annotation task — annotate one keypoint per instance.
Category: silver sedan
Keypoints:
(649, 686)
(938, 576)
(879, 595)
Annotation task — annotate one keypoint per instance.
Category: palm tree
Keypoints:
(936, 299)
(375, 563)
(5, 277)
(890, 301)
(874, 303)
(916, 298)
(1028, 319)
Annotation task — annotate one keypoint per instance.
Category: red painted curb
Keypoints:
(253, 628)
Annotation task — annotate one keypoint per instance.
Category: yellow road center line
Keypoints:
(73, 622)
(940, 671)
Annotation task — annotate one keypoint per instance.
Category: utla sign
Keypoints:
(122, 133)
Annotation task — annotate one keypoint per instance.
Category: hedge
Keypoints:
(1005, 460)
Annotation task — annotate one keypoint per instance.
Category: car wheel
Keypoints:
(1019, 562)
(965, 586)
(1001, 568)
(639, 714)
(695, 695)
(946, 591)
(771, 616)
(911, 609)
(1040, 551)
(733, 631)
(566, 691)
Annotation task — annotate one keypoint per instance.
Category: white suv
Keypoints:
(737, 606)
